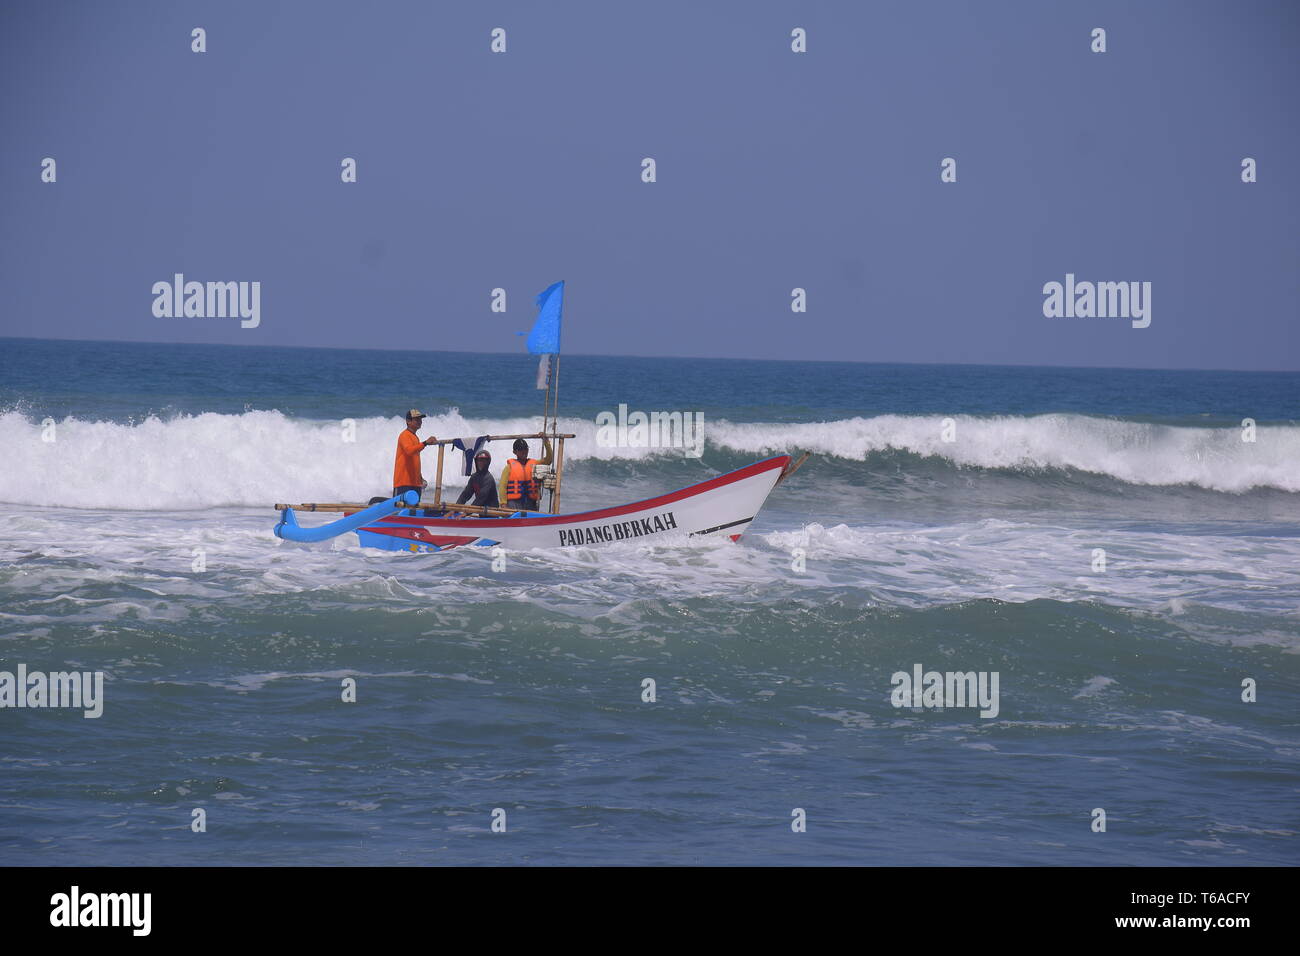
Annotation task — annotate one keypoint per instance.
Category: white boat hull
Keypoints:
(725, 505)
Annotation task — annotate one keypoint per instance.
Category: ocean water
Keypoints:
(520, 689)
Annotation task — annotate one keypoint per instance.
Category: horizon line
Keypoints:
(689, 358)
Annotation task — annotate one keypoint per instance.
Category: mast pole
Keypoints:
(557, 445)
(546, 401)
(555, 408)
(548, 406)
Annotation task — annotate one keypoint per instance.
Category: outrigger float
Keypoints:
(724, 505)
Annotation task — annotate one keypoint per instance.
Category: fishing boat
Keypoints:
(722, 505)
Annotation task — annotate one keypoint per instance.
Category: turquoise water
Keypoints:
(521, 688)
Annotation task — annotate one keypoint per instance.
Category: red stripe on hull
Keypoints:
(422, 536)
(486, 524)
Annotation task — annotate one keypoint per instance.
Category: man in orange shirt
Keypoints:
(406, 467)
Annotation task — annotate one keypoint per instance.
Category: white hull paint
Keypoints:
(724, 505)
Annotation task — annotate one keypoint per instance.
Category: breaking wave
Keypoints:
(259, 457)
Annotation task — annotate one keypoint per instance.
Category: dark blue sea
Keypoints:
(950, 517)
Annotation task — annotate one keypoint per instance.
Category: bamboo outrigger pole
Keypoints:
(437, 485)
(437, 488)
(559, 475)
(447, 509)
(448, 441)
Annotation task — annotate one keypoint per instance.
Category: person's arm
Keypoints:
(414, 445)
(549, 458)
(464, 495)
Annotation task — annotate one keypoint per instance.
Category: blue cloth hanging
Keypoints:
(470, 447)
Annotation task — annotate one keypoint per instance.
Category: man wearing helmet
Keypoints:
(482, 487)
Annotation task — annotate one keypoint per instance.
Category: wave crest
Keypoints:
(259, 457)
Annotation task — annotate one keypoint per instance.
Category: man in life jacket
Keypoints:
(523, 490)
(482, 487)
(406, 466)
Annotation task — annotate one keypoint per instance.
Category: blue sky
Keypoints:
(775, 170)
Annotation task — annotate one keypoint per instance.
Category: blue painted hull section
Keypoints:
(387, 542)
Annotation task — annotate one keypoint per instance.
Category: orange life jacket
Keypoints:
(521, 483)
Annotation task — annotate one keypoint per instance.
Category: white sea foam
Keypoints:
(1133, 452)
(1094, 686)
(1020, 562)
(50, 557)
(259, 457)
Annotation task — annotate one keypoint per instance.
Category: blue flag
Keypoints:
(544, 339)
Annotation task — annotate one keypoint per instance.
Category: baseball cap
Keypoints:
(414, 413)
